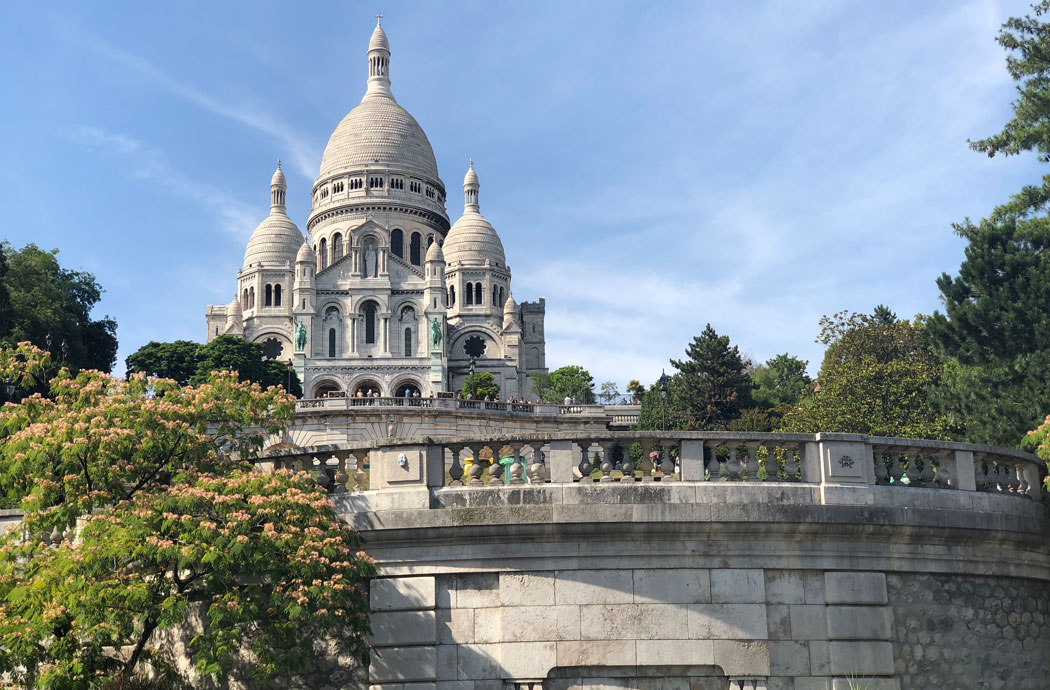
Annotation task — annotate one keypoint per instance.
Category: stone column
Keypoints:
(560, 462)
(691, 456)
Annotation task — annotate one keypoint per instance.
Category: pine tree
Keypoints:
(713, 385)
(996, 325)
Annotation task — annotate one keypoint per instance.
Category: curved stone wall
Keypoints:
(707, 584)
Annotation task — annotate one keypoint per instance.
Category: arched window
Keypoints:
(277, 295)
(244, 299)
(430, 241)
(251, 297)
(495, 295)
(370, 324)
(269, 296)
(451, 295)
(502, 299)
(414, 248)
(331, 342)
(337, 247)
(324, 254)
(477, 294)
(408, 342)
(470, 294)
(397, 243)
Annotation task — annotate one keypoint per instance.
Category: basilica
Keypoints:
(386, 297)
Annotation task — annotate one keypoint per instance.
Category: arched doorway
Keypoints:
(367, 389)
(408, 389)
(327, 389)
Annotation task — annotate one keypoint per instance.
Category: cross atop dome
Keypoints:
(379, 18)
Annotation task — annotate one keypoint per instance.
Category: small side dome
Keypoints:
(277, 238)
(234, 308)
(304, 255)
(435, 253)
(472, 239)
(510, 306)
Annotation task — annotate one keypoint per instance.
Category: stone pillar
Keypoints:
(691, 456)
(964, 476)
(385, 333)
(561, 462)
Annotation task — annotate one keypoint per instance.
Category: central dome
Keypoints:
(379, 133)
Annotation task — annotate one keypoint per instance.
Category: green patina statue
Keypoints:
(300, 336)
(435, 334)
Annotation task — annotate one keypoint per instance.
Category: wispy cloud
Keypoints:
(300, 152)
(148, 163)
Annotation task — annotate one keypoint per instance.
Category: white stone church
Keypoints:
(386, 297)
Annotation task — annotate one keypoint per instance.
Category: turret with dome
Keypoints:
(383, 268)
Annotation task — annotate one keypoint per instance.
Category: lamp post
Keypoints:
(663, 399)
(47, 342)
(473, 381)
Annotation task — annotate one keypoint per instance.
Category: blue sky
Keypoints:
(650, 167)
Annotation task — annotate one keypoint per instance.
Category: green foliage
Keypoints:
(609, 392)
(481, 384)
(782, 380)
(177, 360)
(188, 362)
(40, 298)
(1038, 441)
(996, 325)
(713, 385)
(659, 413)
(752, 419)
(567, 382)
(875, 379)
(162, 513)
(636, 390)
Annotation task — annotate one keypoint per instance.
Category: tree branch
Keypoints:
(156, 470)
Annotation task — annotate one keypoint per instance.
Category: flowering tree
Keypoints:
(1038, 441)
(142, 511)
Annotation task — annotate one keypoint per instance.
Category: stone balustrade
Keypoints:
(623, 415)
(840, 464)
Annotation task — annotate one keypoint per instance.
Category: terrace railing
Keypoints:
(842, 461)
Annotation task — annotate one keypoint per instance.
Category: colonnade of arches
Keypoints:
(273, 295)
(330, 250)
(368, 388)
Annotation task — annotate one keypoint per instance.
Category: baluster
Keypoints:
(646, 465)
(585, 465)
(771, 465)
(946, 469)
(752, 462)
(360, 478)
(927, 474)
(341, 477)
(1016, 484)
(476, 470)
(607, 461)
(896, 471)
(790, 463)
(714, 467)
(882, 473)
(627, 465)
(913, 469)
(731, 464)
(536, 475)
(516, 467)
(455, 470)
(1003, 476)
(666, 462)
(980, 480)
(495, 469)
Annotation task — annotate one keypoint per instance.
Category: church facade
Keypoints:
(386, 297)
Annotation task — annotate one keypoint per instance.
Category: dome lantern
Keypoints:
(378, 61)
(278, 186)
(471, 187)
